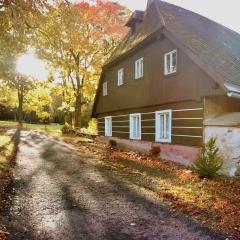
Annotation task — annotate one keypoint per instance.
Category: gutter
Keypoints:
(233, 94)
(233, 90)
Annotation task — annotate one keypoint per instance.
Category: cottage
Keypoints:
(173, 81)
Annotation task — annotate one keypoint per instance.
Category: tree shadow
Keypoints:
(93, 202)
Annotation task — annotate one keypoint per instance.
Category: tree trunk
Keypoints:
(20, 107)
(78, 111)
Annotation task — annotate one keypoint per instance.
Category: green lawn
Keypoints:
(53, 129)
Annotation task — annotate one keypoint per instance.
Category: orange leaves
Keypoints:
(215, 202)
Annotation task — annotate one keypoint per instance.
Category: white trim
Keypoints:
(148, 120)
(188, 109)
(120, 132)
(131, 133)
(148, 113)
(121, 121)
(120, 126)
(187, 119)
(173, 69)
(189, 127)
(120, 77)
(108, 126)
(139, 68)
(158, 127)
(190, 136)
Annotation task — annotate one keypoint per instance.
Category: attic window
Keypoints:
(105, 89)
(170, 62)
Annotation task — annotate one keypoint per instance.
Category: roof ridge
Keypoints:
(197, 14)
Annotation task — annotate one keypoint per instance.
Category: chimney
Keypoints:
(135, 20)
(149, 2)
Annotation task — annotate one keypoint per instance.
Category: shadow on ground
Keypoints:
(58, 193)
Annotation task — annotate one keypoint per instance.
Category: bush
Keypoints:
(155, 150)
(112, 143)
(209, 162)
(67, 129)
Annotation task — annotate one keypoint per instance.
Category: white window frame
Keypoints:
(158, 127)
(139, 68)
(120, 77)
(131, 133)
(166, 72)
(105, 88)
(108, 126)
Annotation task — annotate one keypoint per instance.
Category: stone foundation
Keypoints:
(181, 154)
(228, 141)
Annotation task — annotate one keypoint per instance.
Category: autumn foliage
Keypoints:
(215, 203)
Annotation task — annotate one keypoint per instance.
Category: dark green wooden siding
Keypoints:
(187, 123)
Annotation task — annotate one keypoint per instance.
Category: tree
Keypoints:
(22, 85)
(15, 16)
(209, 162)
(76, 39)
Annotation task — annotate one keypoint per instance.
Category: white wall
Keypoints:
(228, 141)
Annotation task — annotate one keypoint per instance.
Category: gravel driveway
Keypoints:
(63, 194)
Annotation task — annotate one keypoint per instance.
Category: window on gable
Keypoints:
(105, 89)
(108, 126)
(139, 68)
(170, 62)
(135, 126)
(163, 129)
(120, 76)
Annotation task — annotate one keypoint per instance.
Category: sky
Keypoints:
(223, 12)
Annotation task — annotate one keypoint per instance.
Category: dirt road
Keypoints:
(63, 194)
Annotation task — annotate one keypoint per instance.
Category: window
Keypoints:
(139, 68)
(163, 130)
(120, 76)
(170, 62)
(135, 126)
(108, 126)
(105, 89)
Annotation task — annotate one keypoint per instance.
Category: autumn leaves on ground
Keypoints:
(215, 203)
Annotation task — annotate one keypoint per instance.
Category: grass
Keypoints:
(6, 149)
(52, 129)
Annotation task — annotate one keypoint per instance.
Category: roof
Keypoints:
(136, 16)
(213, 47)
(227, 119)
(214, 44)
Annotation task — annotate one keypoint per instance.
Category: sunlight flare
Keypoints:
(29, 65)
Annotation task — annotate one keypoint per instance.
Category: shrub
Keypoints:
(67, 129)
(155, 150)
(209, 162)
(112, 143)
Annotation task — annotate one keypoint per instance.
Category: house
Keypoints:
(174, 81)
